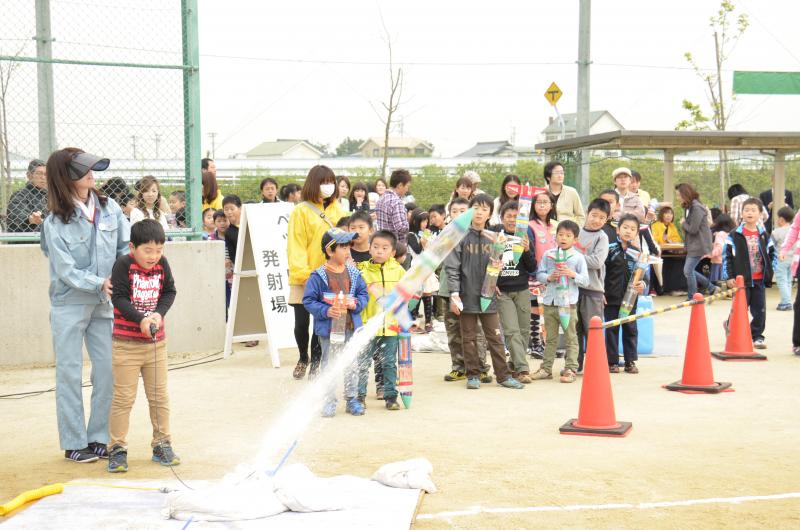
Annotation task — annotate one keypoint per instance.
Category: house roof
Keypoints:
(571, 122)
(485, 149)
(678, 141)
(278, 147)
(398, 141)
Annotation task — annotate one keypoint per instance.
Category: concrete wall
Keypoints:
(196, 322)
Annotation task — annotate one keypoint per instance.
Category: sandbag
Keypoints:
(410, 474)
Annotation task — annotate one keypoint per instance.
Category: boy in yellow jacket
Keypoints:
(381, 273)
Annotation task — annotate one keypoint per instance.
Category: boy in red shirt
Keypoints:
(749, 252)
(144, 290)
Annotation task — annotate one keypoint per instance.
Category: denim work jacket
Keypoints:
(82, 253)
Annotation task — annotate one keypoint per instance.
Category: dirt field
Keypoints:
(493, 448)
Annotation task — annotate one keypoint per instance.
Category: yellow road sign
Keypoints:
(553, 93)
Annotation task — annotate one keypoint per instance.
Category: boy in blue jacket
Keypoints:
(336, 276)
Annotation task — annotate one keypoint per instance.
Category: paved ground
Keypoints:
(494, 448)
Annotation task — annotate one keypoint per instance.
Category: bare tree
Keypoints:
(725, 39)
(7, 69)
(395, 93)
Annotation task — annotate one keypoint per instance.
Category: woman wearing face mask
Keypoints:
(318, 211)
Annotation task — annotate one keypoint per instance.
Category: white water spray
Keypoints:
(294, 421)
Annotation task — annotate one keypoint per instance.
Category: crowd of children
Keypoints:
(543, 302)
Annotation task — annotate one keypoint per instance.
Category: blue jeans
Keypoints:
(386, 350)
(329, 355)
(692, 276)
(72, 326)
(783, 277)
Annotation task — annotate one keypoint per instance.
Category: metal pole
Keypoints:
(669, 172)
(191, 114)
(582, 122)
(778, 185)
(44, 78)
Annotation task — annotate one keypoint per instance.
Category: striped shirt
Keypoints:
(137, 293)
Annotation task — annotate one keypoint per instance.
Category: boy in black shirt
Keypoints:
(143, 292)
(360, 223)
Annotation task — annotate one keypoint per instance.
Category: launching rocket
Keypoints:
(396, 302)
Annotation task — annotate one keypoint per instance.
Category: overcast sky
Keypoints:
(489, 64)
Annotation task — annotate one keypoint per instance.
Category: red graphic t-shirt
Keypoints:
(754, 253)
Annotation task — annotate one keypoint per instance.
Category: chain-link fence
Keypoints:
(112, 77)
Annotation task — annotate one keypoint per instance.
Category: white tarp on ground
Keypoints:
(348, 502)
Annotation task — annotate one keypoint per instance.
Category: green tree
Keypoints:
(349, 146)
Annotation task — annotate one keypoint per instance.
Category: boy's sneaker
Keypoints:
(81, 456)
(455, 375)
(392, 404)
(512, 383)
(486, 378)
(630, 368)
(379, 393)
(567, 376)
(118, 460)
(473, 383)
(524, 378)
(428, 327)
(796, 350)
(541, 373)
(99, 449)
(759, 344)
(329, 410)
(784, 307)
(164, 455)
(354, 407)
(537, 351)
(313, 370)
(613, 368)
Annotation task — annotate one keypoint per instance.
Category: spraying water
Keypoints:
(304, 407)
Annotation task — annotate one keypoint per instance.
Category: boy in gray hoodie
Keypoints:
(593, 243)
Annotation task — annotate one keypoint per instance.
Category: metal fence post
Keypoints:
(44, 76)
(191, 115)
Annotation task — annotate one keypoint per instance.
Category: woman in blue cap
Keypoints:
(82, 238)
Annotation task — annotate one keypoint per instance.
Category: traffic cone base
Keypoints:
(726, 356)
(621, 429)
(716, 388)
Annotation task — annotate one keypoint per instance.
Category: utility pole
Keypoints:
(213, 136)
(157, 140)
(44, 80)
(133, 144)
(582, 125)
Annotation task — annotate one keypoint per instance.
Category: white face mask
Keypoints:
(327, 190)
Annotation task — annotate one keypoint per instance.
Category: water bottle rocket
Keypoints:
(630, 297)
(488, 289)
(562, 290)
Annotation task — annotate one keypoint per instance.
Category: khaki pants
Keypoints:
(552, 323)
(129, 359)
(514, 308)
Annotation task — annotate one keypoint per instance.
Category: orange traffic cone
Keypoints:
(697, 374)
(739, 345)
(596, 413)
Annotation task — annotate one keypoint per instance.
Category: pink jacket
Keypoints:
(791, 239)
(719, 245)
(543, 238)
